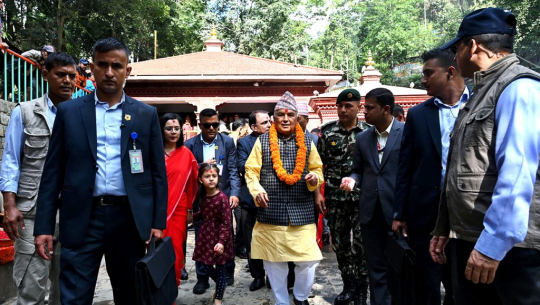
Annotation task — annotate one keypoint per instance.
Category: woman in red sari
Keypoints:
(182, 170)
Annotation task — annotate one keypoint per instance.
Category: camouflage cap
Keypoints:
(348, 95)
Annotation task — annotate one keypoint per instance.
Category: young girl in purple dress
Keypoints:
(214, 245)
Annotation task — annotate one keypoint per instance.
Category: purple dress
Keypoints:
(216, 218)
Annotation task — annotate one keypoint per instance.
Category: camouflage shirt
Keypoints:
(336, 147)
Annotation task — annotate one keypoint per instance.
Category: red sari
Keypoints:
(182, 173)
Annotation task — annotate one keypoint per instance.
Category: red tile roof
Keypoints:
(223, 63)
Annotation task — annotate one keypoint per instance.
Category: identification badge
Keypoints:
(220, 164)
(220, 168)
(136, 162)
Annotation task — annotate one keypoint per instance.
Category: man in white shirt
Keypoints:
(375, 164)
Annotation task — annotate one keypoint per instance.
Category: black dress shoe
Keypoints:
(256, 284)
(304, 302)
(230, 280)
(242, 254)
(325, 239)
(184, 275)
(201, 287)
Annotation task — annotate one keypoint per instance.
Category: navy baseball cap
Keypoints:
(48, 49)
(489, 20)
(83, 61)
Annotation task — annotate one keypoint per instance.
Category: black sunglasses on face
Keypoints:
(208, 125)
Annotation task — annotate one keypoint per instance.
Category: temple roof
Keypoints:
(223, 64)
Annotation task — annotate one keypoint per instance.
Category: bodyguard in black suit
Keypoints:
(212, 147)
(109, 204)
(259, 121)
(422, 164)
(375, 163)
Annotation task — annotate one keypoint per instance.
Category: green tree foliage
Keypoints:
(338, 48)
(527, 43)
(263, 28)
(74, 25)
(396, 31)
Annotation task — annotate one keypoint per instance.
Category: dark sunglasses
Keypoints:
(208, 125)
(454, 49)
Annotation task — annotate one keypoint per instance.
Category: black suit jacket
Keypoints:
(229, 181)
(419, 175)
(376, 180)
(70, 169)
(245, 146)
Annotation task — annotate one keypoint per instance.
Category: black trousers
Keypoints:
(111, 232)
(239, 239)
(256, 267)
(374, 235)
(517, 280)
(428, 274)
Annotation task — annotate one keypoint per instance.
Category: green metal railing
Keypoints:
(22, 79)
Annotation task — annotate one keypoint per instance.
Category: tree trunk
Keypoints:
(60, 21)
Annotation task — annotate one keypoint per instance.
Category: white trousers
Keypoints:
(304, 276)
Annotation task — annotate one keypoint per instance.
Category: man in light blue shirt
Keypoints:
(447, 117)
(107, 161)
(491, 196)
(26, 144)
(422, 167)
(109, 180)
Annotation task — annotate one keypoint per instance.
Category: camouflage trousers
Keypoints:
(342, 219)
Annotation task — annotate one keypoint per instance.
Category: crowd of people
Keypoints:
(459, 180)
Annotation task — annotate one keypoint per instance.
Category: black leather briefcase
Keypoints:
(400, 273)
(155, 280)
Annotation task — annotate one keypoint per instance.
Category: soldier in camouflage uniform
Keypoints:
(335, 148)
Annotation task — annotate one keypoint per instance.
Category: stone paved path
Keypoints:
(327, 284)
(326, 287)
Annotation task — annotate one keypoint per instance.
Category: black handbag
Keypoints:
(400, 273)
(155, 279)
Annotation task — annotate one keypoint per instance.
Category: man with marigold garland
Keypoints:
(282, 172)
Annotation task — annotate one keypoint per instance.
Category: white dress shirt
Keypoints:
(382, 138)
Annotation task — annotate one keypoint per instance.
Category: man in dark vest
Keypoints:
(282, 171)
(27, 142)
(489, 210)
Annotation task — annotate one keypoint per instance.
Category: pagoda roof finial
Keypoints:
(213, 44)
(213, 33)
(370, 61)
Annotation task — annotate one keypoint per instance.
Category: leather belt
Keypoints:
(110, 200)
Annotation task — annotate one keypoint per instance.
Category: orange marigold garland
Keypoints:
(282, 174)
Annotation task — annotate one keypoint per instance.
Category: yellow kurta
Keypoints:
(282, 243)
